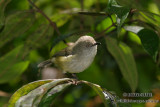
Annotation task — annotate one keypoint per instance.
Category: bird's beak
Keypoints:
(97, 43)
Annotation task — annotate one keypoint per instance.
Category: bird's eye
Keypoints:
(88, 45)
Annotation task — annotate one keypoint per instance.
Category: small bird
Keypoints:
(76, 57)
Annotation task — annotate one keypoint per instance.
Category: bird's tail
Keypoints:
(44, 64)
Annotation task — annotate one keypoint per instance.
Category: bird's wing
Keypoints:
(65, 52)
(45, 64)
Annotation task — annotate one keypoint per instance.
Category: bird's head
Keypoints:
(85, 44)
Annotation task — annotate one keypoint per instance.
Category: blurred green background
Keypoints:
(26, 39)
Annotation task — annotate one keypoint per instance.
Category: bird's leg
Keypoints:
(74, 76)
(76, 79)
(71, 75)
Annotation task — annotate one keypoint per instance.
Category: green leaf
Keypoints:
(124, 57)
(105, 24)
(13, 55)
(151, 18)
(104, 94)
(25, 90)
(40, 37)
(134, 29)
(13, 71)
(111, 2)
(120, 11)
(50, 96)
(33, 94)
(43, 92)
(16, 24)
(149, 39)
(60, 19)
(11, 65)
(3, 4)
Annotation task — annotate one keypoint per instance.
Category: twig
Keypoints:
(50, 21)
(93, 13)
(110, 33)
(82, 5)
(81, 17)
(141, 22)
(158, 59)
(101, 34)
(136, 20)
(111, 19)
(133, 10)
(53, 24)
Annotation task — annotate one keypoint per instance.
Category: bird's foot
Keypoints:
(69, 75)
(74, 81)
(74, 76)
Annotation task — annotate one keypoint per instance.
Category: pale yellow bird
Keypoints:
(76, 57)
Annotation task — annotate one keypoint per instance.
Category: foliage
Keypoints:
(127, 66)
(127, 61)
(30, 95)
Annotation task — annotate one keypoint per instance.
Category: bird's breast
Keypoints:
(75, 63)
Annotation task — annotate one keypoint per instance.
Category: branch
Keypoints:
(111, 18)
(93, 13)
(158, 60)
(133, 11)
(81, 17)
(101, 34)
(135, 20)
(140, 22)
(53, 24)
